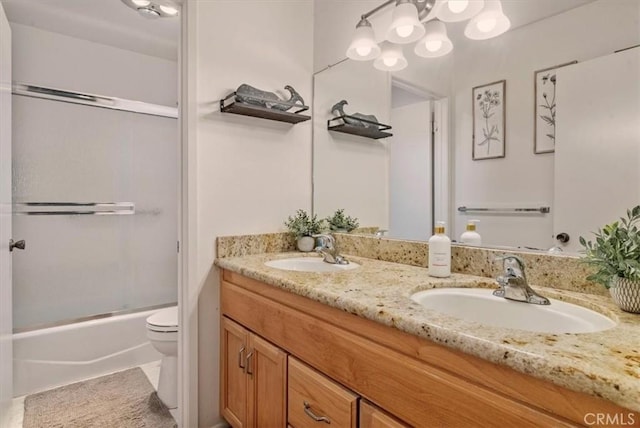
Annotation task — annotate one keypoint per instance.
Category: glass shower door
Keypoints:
(85, 260)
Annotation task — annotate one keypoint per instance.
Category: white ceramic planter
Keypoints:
(306, 243)
(626, 294)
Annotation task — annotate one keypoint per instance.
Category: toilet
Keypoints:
(162, 332)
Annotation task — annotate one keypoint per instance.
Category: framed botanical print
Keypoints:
(489, 121)
(545, 109)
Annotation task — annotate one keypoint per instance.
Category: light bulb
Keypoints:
(390, 61)
(404, 30)
(363, 50)
(169, 10)
(457, 6)
(141, 3)
(433, 45)
(486, 25)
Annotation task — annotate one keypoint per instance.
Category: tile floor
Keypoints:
(152, 370)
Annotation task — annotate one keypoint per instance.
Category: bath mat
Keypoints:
(125, 400)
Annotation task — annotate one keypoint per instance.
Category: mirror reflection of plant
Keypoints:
(550, 105)
(302, 224)
(338, 221)
(487, 101)
(616, 250)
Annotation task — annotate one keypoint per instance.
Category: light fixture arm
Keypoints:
(423, 6)
(377, 9)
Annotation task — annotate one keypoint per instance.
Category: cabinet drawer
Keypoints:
(314, 399)
(373, 417)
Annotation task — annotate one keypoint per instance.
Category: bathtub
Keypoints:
(50, 357)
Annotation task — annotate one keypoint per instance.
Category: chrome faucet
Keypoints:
(329, 250)
(513, 284)
(381, 233)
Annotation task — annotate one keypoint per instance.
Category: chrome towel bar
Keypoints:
(543, 210)
(74, 208)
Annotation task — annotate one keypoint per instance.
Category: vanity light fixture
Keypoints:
(435, 43)
(459, 10)
(391, 58)
(490, 22)
(364, 46)
(487, 20)
(405, 25)
(153, 9)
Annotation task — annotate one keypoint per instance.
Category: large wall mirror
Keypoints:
(587, 175)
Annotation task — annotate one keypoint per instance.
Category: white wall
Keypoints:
(43, 58)
(334, 22)
(251, 173)
(522, 178)
(351, 172)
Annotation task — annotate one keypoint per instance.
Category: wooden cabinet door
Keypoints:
(373, 417)
(233, 379)
(267, 371)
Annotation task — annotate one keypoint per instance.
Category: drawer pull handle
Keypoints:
(250, 363)
(309, 412)
(240, 358)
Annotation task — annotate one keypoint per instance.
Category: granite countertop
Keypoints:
(605, 364)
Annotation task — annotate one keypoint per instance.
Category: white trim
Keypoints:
(412, 88)
(442, 183)
(188, 304)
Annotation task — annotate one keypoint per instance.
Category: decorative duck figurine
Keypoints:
(249, 95)
(352, 119)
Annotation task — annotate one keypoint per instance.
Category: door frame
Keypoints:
(187, 218)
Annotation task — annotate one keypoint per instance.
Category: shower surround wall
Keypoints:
(76, 266)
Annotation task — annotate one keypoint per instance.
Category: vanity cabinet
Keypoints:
(338, 360)
(253, 379)
(374, 417)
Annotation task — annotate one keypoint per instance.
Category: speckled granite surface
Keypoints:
(604, 364)
(242, 245)
(563, 272)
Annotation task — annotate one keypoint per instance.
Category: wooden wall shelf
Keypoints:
(376, 131)
(230, 105)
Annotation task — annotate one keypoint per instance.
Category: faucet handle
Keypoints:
(513, 265)
(325, 240)
(509, 257)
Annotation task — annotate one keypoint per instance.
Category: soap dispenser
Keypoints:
(440, 252)
(471, 236)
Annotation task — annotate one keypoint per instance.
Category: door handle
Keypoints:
(309, 412)
(240, 358)
(250, 363)
(20, 245)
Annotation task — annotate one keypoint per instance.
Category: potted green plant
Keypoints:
(615, 254)
(304, 226)
(338, 222)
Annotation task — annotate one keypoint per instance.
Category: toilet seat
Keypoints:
(164, 321)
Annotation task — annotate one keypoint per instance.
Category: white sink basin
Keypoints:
(309, 264)
(481, 306)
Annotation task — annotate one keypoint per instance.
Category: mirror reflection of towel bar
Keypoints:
(116, 208)
(543, 210)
